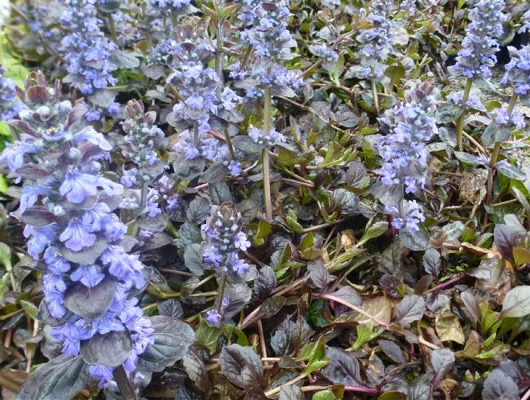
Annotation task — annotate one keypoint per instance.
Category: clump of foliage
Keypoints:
(294, 199)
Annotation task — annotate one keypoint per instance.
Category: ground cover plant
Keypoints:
(291, 199)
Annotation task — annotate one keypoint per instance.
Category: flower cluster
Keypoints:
(204, 99)
(139, 147)
(223, 239)
(9, 106)
(324, 52)
(213, 317)
(199, 86)
(518, 70)
(206, 147)
(477, 56)
(267, 35)
(411, 218)
(95, 113)
(472, 102)
(89, 280)
(262, 74)
(168, 5)
(409, 6)
(501, 117)
(412, 125)
(87, 50)
(259, 137)
(377, 42)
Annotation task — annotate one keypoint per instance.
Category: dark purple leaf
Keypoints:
(343, 367)
(111, 349)
(90, 303)
(61, 378)
(499, 386)
(172, 340)
(241, 366)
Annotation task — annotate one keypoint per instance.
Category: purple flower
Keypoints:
(77, 235)
(223, 239)
(77, 186)
(477, 56)
(40, 238)
(413, 216)
(412, 125)
(518, 70)
(88, 275)
(213, 317)
(30, 195)
(123, 266)
(9, 106)
(129, 177)
(87, 50)
(13, 154)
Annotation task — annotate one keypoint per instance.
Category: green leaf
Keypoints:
(374, 230)
(365, 333)
(4, 281)
(395, 73)
(208, 336)
(324, 395)
(516, 303)
(264, 230)
(318, 358)
(448, 112)
(495, 133)
(192, 259)
(247, 145)
(417, 241)
(521, 256)
(61, 378)
(29, 308)
(5, 256)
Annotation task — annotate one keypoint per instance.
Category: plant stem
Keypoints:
(112, 28)
(196, 134)
(446, 284)
(220, 292)
(124, 384)
(276, 390)
(266, 160)
(358, 389)
(375, 95)
(460, 120)
(496, 151)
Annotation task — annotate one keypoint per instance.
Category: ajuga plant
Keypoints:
(284, 176)
(411, 125)
(477, 56)
(142, 167)
(376, 44)
(86, 47)
(204, 102)
(89, 280)
(268, 44)
(223, 240)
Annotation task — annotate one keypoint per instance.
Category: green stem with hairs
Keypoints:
(220, 292)
(266, 160)
(460, 119)
(496, 151)
(112, 28)
(219, 71)
(196, 134)
(375, 95)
